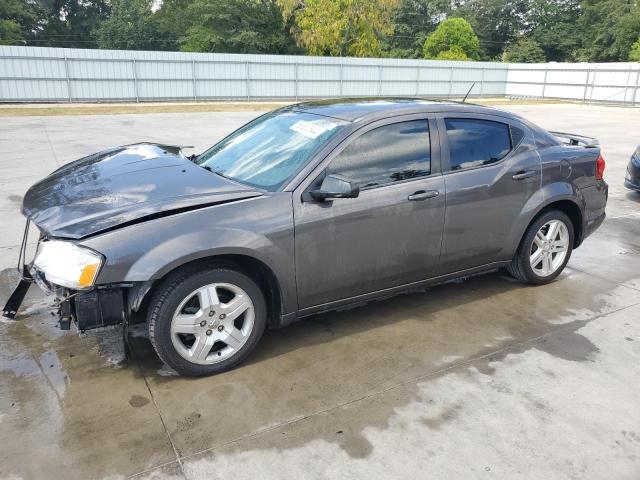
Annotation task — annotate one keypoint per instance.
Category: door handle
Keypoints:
(524, 174)
(422, 195)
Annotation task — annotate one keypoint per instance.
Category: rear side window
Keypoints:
(517, 134)
(387, 154)
(473, 142)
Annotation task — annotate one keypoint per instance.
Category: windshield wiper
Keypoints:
(221, 174)
(208, 168)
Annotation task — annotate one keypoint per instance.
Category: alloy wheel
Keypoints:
(212, 323)
(549, 248)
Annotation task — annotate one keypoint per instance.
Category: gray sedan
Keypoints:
(310, 208)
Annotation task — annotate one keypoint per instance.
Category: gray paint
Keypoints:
(329, 254)
(121, 185)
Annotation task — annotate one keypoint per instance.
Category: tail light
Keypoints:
(600, 164)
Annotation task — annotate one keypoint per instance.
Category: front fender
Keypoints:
(260, 228)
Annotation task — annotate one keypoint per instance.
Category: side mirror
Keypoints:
(335, 186)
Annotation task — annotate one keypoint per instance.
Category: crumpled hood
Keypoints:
(124, 185)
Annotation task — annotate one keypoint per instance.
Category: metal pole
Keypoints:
(341, 77)
(586, 85)
(635, 90)
(481, 82)
(379, 80)
(295, 66)
(450, 81)
(248, 81)
(593, 82)
(417, 81)
(626, 88)
(135, 80)
(195, 82)
(544, 81)
(66, 72)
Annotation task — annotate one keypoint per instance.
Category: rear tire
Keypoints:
(203, 322)
(544, 250)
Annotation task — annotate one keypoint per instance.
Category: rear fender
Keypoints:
(547, 195)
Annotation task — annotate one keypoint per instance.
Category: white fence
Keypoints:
(587, 82)
(35, 74)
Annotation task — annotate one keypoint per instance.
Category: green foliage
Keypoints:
(414, 20)
(453, 32)
(609, 29)
(10, 33)
(172, 21)
(634, 54)
(553, 25)
(517, 30)
(495, 22)
(524, 50)
(236, 26)
(341, 27)
(454, 53)
(16, 20)
(129, 27)
(68, 23)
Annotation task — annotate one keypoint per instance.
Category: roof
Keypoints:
(358, 109)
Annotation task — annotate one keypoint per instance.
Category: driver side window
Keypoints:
(386, 154)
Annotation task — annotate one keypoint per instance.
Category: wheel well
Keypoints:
(571, 210)
(257, 270)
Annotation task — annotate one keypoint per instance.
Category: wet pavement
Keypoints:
(481, 378)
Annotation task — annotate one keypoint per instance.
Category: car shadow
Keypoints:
(490, 300)
(633, 195)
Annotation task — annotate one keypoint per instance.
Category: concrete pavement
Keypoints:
(482, 378)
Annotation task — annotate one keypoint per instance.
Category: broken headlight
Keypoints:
(68, 265)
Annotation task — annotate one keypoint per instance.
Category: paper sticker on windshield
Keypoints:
(312, 129)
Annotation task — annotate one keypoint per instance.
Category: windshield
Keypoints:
(270, 150)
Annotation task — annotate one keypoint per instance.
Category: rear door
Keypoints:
(389, 235)
(491, 171)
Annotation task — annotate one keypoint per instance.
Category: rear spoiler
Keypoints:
(572, 139)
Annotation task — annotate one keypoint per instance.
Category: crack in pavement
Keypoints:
(404, 384)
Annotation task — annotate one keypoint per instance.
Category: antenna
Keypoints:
(468, 92)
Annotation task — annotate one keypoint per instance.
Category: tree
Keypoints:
(172, 21)
(609, 29)
(413, 21)
(68, 23)
(553, 25)
(129, 27)
(626, 32)
(495, 22)
(453, 32)
(237, 26)
(524, 50)
(634, 54)
(17, 19)
(341, 27)
(454, 53)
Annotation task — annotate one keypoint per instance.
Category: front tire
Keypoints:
(207, 321)
(544, 250)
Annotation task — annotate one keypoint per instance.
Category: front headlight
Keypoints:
(67, 264)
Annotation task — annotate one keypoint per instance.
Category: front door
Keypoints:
(491, 170)
(390, 234)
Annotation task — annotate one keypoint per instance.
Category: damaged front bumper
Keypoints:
(99, 306)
